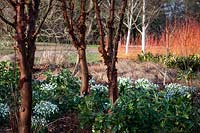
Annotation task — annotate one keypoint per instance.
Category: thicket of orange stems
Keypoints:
(180, 39)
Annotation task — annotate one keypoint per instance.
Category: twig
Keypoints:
(44, 18)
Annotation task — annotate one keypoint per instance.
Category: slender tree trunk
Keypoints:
(143, 26)
(143, 39)
(76, 67)
(24, 125)
(26, 14)
(84, 72)
(78, 39)
(25, 87)
(128, 40)
(112, 83)
(110, 54)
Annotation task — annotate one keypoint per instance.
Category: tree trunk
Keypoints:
(143, 38)
(128, 40)
(24, 124)
(143, 26)
(112, 83)
(84, 72)
(25, 88)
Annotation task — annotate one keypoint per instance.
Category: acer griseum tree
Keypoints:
(109, 54)
(25, 15)
(74, 14)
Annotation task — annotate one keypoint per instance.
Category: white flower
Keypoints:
(174, 88)
(4, 110)
(43, 110)
(38, 121)
(145, 84)
(99, 87)
(48, 87)
(125, 82)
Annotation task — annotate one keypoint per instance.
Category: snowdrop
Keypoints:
(48, 86)
(145, 84)
(4, 111)
(125, 82)
(43, 110)
(177, 89)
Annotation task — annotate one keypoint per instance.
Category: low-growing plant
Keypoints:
(182, 62)
(143, 108)
(8, 81)
(4, 113)
(187, 66)
(43, 112)
(8, 91)
(58, 92)
(91, 106)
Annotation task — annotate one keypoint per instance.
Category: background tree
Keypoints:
(149, 10)
(131, 9)
(139, 15)
(25, 14)
(109, 54)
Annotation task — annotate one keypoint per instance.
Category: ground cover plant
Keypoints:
(141, 106)
(188, 66)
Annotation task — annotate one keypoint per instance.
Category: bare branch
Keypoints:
(11, 2)
(136, 26)
(101, 31)
(117, 37)
(44, 18)
(7, 21)
(91, 7)
(69, 24)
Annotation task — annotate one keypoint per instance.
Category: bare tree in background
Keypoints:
(75, 20)
(133, 7)
(147, 15)
(110, 54)
(25, 15)
(139, 14)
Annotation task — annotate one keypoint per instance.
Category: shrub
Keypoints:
(181, 62)
(9, 76)
(61, 89)
(43, 112)
(8, 82)
(57, 93)
(142, 108)
(93, 105)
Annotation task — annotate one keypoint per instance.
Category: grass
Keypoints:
(92, 54)
(91, 57)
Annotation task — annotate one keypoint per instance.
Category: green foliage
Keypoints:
(57, 93)
(142, 108)
(182, 62)
(4, 113)
(8, 81)
(9, 76)
(187, 65)
(93, 105)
